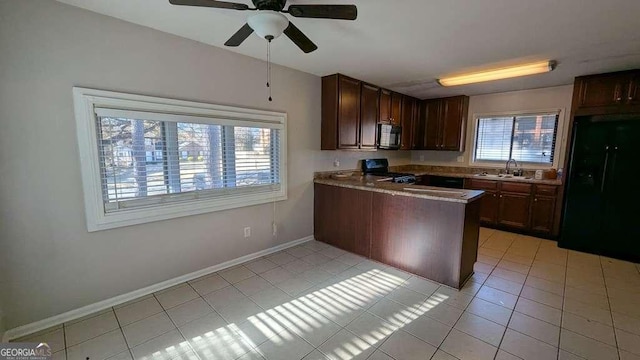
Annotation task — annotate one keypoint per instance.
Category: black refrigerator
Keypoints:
(602, 207)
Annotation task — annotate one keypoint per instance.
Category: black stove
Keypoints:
(380, 167)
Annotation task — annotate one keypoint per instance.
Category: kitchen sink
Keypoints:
(503, 176)
(434, 192)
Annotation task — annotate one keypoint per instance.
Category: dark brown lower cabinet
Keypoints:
(514, 210)
(542, 213)
(489, 207)
(434, 239)
(346, 218)
(519, 206)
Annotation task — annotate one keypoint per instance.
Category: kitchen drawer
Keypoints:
(516, 187)
(547, 190)
(484, 184)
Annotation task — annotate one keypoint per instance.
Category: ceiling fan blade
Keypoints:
(211, 3)
(299, 38)
(240, 36)
(341, 12)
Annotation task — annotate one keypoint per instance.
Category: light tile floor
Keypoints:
(528, 299)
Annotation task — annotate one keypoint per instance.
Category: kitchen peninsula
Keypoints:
(428, 231)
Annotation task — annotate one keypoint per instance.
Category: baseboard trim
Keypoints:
(120, 299)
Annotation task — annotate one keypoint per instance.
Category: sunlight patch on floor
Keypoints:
(309, 313)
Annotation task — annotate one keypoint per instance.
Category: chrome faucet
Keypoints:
(507, 166)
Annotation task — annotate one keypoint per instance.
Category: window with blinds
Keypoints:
(524, 138)
(179, 158)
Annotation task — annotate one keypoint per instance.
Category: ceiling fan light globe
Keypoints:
(268, 24)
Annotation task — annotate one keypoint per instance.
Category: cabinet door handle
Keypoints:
(500, 195)
(535, 199)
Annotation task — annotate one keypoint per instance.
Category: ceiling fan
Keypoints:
(269, 23)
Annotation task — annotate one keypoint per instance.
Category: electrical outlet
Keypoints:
(336, 163)
(247, 232)
(460, 158)
(275, 228)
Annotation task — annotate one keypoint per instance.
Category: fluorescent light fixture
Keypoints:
(498, 74)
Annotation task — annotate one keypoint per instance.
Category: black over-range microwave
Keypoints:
(389, 136)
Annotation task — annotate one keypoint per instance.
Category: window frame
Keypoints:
(87, 100)
(559, 138)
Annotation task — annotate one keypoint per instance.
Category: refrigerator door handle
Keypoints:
(604, 171)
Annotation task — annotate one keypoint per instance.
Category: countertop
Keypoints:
(471, 173)
(523, 179)
(378, 184)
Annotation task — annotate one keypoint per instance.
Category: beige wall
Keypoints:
(49, 263)
(552, 98)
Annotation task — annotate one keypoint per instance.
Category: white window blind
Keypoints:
(155, 161)
(525, 138)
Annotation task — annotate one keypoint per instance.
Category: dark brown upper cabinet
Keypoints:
(390, 107)
(454, 120)
(633, 94)
(396, 108)
(340, 112)
(369, 112)
(385, 106)
(419, 130)
(432, 124)
(350, 113)
(352, 110)
(607, 93)
(603, 90)
(409, 114)
(444, 123)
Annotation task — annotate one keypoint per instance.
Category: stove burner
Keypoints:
(380, 167)
(404, 179)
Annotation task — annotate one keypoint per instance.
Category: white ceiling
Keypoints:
(406, 44)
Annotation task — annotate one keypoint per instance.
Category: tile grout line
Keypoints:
(414, 311)
(467, 306)
(564, 294)
(64, 340)
(618, 350)
(613, 324)
(284, 326)
(100, 313)
(201, 296)
(364, 311)
(173, 322)
(122, 332)
(506, 326)
(426, 296)
(403, 325)
(217, 313)
(518, 299)
(317, 348)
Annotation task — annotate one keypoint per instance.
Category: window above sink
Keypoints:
(527, 138)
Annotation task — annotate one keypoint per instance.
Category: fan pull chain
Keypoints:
(269, 68)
